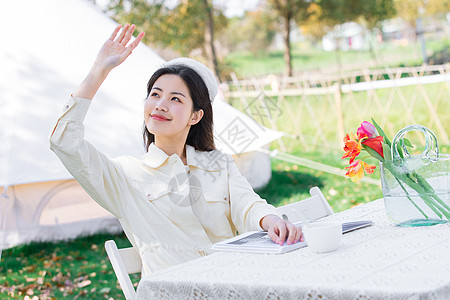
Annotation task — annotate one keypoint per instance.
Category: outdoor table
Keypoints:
(382, 261)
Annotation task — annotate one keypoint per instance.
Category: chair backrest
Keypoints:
(312, 208)
(124, 261)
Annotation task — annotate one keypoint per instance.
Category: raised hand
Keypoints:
(115, 50)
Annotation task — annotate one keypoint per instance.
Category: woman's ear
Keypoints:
(196, 117)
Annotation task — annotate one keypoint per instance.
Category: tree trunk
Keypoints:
(287, 45)
(372, 51)
(209, 40)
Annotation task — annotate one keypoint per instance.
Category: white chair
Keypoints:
(124, 261)
(312, 208)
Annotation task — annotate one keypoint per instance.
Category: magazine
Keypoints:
(260, 242)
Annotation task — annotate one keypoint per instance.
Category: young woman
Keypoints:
(182, 195)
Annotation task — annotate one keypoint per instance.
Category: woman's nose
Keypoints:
(161, 105)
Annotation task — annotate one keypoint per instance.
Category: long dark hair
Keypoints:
(200, 135)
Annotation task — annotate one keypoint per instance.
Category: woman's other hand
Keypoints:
(280, 230)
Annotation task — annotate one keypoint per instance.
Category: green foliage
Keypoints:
(181, 28)
(334, 12)
(381, 132)
(290, 9)
(254, 32)
(410, 10)
(374, 11)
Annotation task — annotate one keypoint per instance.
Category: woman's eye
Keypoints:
(154, 95)
(176, 99)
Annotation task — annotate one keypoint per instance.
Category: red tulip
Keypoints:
(376, 144)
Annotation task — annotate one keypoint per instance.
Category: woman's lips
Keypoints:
(159, 118)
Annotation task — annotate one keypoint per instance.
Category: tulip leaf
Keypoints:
(381, 132)
(407, 143)
(400, 149)
(373, 153)
(387, 152)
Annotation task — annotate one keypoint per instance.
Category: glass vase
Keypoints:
(416, 188)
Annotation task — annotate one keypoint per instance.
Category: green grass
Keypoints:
(64, 270)
(308, 57)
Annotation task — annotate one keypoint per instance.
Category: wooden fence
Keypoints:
(315, 110)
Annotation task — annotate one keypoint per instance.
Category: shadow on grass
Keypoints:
(288, 186)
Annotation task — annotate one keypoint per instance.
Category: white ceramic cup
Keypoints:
(323, 236)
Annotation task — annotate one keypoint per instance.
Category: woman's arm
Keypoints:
(112, 54)
(103, 178)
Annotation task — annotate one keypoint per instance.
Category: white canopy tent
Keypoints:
(46, 49)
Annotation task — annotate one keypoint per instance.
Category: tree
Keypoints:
(374, 11)
(289, 11)
(337, 12)
(316, 27)
(409, 10)
(189, 25)
(412, 12)
(257, 24)
(209, 38)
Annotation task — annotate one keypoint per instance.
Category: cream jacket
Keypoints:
(169, 211)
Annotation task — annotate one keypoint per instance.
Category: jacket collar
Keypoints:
(205, 160)
(154, 157)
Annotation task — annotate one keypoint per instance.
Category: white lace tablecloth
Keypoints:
(382, 261)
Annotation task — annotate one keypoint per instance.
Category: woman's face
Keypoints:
(168, 109)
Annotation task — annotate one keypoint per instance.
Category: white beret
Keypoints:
(205, 73)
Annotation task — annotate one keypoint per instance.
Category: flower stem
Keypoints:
(424, 189)
(407, 195)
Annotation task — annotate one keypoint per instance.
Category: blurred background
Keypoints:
(310, 69)
(313, 70)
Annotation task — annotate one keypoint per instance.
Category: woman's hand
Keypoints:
(115, 49)
(279, 230)
(113, 52)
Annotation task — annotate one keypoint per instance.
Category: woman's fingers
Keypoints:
(128, 35)
(133, 45)
(282, 231)
(113, 35)
(125, 36)
(122, 33)
(295, 233)
(136, 41)
(273, 235)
